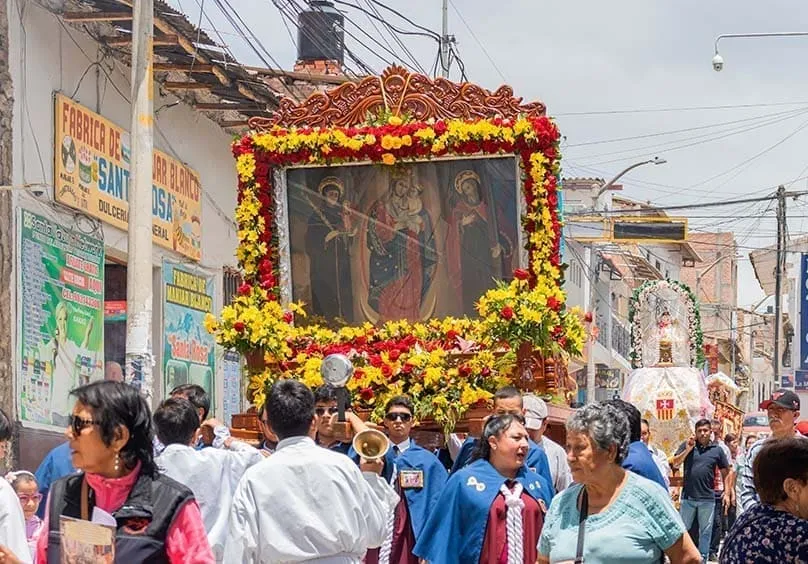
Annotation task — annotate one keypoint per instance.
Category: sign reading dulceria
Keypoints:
(91, 169)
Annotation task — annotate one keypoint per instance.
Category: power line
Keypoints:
(480, 43)
(679, 109)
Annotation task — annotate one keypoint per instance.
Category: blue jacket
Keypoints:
(57, 464)
(640, 461)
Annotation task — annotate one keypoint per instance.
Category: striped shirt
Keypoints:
(747, 494)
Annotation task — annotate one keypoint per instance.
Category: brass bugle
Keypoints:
(371, 444)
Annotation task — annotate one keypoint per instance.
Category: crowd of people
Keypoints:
(179, 488)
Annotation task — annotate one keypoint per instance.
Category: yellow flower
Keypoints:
(395, 120)
(245, 166)
(388, 159)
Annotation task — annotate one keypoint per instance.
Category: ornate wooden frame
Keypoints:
(398, 91)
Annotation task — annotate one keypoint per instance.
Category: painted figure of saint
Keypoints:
(477, 249)
(403, 257)
(329, 236)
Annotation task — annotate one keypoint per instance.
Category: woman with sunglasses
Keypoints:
(418, 479)
(110, 434)
(492, 510)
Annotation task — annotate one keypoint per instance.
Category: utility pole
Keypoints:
(778, 278)
(139, 270)
(444, 40)
(590, 343)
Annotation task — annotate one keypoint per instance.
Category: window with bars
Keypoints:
(231, 280)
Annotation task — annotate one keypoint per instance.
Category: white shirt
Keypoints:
(662, 463)
(403, 445)
(559, 468)
(307, 504)
(746, 492)
(213, 476)
(12, 523)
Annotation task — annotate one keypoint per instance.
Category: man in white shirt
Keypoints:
(659, 457)
(212, 474)
(536, 424)
(12, 522)
(305, 503)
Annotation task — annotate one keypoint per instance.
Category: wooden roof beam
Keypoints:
(182, 67)
(159, 41)
(222, 106)
(86, 17)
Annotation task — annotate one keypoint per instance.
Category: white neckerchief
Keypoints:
(513, 522)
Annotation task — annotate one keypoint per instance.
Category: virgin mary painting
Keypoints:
(403, 256)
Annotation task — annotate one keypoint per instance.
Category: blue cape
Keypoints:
(639, 460)
(455, 531)
(421, 501)
(536, 459)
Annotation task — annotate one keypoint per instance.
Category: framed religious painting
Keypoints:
(370, 243)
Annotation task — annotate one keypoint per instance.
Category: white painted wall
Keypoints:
(45, 59)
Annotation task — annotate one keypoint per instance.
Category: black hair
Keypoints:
(325, 393)
(176, 421)
(507, 392)
(633, 416)
(196, 395)
(5, 427)
(777, 461)
(494, 427)
(290, 407)
(730, 437)
(647, 424)
(702, 423)
(21, 477)
(115, 404)
(400, 401)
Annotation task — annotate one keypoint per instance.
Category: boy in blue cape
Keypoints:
(472, 517)
(419, 478)
(508, 400)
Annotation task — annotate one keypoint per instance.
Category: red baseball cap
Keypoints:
(783, 398)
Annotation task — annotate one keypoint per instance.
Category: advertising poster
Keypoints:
(189, 351)
(61, 338)
(91, 174)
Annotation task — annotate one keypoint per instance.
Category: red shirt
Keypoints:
(495, 545)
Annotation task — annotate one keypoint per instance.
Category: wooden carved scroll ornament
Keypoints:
(397, 91)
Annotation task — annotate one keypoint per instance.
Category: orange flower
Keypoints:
(388, 159)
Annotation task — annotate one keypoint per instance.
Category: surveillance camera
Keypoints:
(718, 63)
(37, 191)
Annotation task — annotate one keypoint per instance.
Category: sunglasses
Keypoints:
(405, 417)
(320, 411)
(77, 424)
(25, 498)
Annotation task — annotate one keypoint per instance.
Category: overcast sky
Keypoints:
(585, 57)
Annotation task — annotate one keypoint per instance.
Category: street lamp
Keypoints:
(593, 278)
(718, 60)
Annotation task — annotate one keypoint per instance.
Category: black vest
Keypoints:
(143, 519)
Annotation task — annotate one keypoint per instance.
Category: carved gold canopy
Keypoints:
(398, 91)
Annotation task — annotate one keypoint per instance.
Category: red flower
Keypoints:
(238, 326)
(244, 289)
(464, 370)
(562, 341)
(521, 274)
(553, 303)
(375, 361)
(358, 374)
(386, 370)
(588, 317)
(394, 354)
(486, 372)
(507, 312)
(288, 317)
(407, 368)
(451, 335)
(366, 394)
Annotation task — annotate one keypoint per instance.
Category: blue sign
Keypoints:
(804, 312)
(787, 380)
(801, 380)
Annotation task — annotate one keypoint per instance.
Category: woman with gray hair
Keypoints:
(609, 514)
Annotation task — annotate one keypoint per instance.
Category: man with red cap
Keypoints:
(783, 409)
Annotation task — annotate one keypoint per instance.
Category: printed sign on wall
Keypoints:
(91, 174)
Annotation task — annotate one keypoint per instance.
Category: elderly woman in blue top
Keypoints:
(492, 510)
(625, 517)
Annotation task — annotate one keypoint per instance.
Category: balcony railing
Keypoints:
(621, 338)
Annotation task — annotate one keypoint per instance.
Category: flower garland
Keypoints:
(257, 321)
(639, 300)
